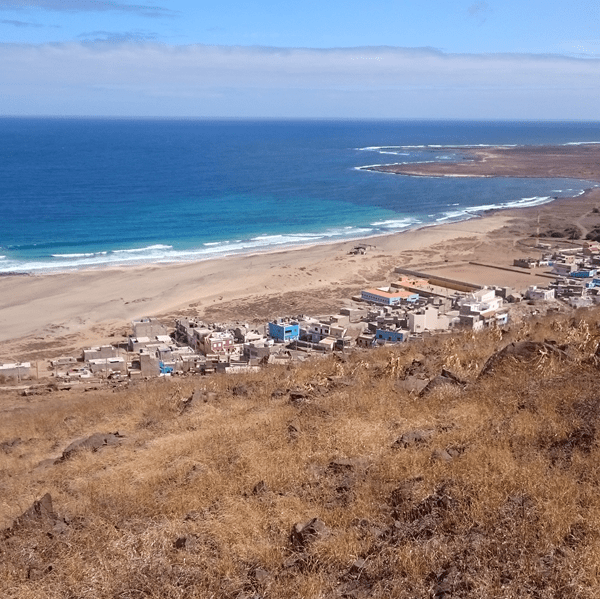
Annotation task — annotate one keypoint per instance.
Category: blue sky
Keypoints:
(389, 59)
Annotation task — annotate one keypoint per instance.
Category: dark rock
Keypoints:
(340, 465)
(260, 488)
(304, 534)
(180, 543)
(277, 393)
(42, 509)
(39, 515)
(37, 573)
(94, 442)
(293, 430)
(8, 446)
(445, 378)
(403, 494)
(523, 351)
(446, 583)
(298, 396)
(240, 391)
(341, 381)
(358, 566)
(186, 542)
(416, 437)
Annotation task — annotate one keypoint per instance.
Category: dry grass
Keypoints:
(201, 502)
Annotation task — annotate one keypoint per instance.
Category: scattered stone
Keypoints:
(180, 543)
(41, 515)
(199, 396)
(342, 465)
(259, 575)
(445, 378)
(343, 358)
(260, 488)
(355, 589)
(186, 542)
(293, 430)
(278, 393)
(441, 455)
(8, 446)
(341, 381)
(39, 572)
(416, 437)
(358, 566)
(41, 509)
(412, 384)
(445, 583)
(94, 442)
(304, 534)
(298, 396)
(240, 391)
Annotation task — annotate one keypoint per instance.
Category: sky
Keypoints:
(471, 59)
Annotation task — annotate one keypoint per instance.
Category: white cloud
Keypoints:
(153, 79)
(88, 6)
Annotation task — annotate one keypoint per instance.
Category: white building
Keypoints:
(535, 293)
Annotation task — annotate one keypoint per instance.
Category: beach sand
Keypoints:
(50, 315)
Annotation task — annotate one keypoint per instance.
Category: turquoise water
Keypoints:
(79, 193)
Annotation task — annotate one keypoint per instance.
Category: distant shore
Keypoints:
(55, 314)
(572, 161)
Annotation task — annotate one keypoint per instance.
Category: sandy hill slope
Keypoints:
(465, 466)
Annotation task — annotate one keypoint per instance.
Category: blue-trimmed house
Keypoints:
(392, 336)
(284, 330)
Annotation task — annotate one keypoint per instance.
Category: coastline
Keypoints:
(43, 315)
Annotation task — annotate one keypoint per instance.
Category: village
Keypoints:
(410, 308)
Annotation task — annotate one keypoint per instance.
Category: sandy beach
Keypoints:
(49, 315)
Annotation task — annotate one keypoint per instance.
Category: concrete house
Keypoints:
(388, 296)
(536, 293)
(15, 370)
(101, 351)
(284, 330)
(218, 342)
(427, 319)
(391, 335)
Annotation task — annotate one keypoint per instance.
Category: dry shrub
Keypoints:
(499, 499)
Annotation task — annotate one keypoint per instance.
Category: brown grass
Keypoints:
(177, 511)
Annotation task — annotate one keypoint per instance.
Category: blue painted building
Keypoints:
(396, 336)
(584, 273)
(284, 331)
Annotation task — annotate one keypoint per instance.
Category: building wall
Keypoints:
(285, 331)
(392, 336)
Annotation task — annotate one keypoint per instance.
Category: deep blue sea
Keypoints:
(80, 193)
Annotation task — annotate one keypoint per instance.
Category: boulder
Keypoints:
(416, 437)
(93, 442)
(523, 351)
(445, 378)
(304, 534)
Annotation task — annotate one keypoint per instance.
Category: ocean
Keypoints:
(93, 193)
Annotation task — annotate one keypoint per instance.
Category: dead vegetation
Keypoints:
(338, 478)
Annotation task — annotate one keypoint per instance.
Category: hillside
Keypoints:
(341, 477)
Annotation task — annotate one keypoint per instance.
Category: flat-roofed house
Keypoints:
(15, 370)
(284, 330)
(218, 342)
(387, 296)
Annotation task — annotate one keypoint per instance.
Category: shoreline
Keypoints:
(466, 214)
(44, 315)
